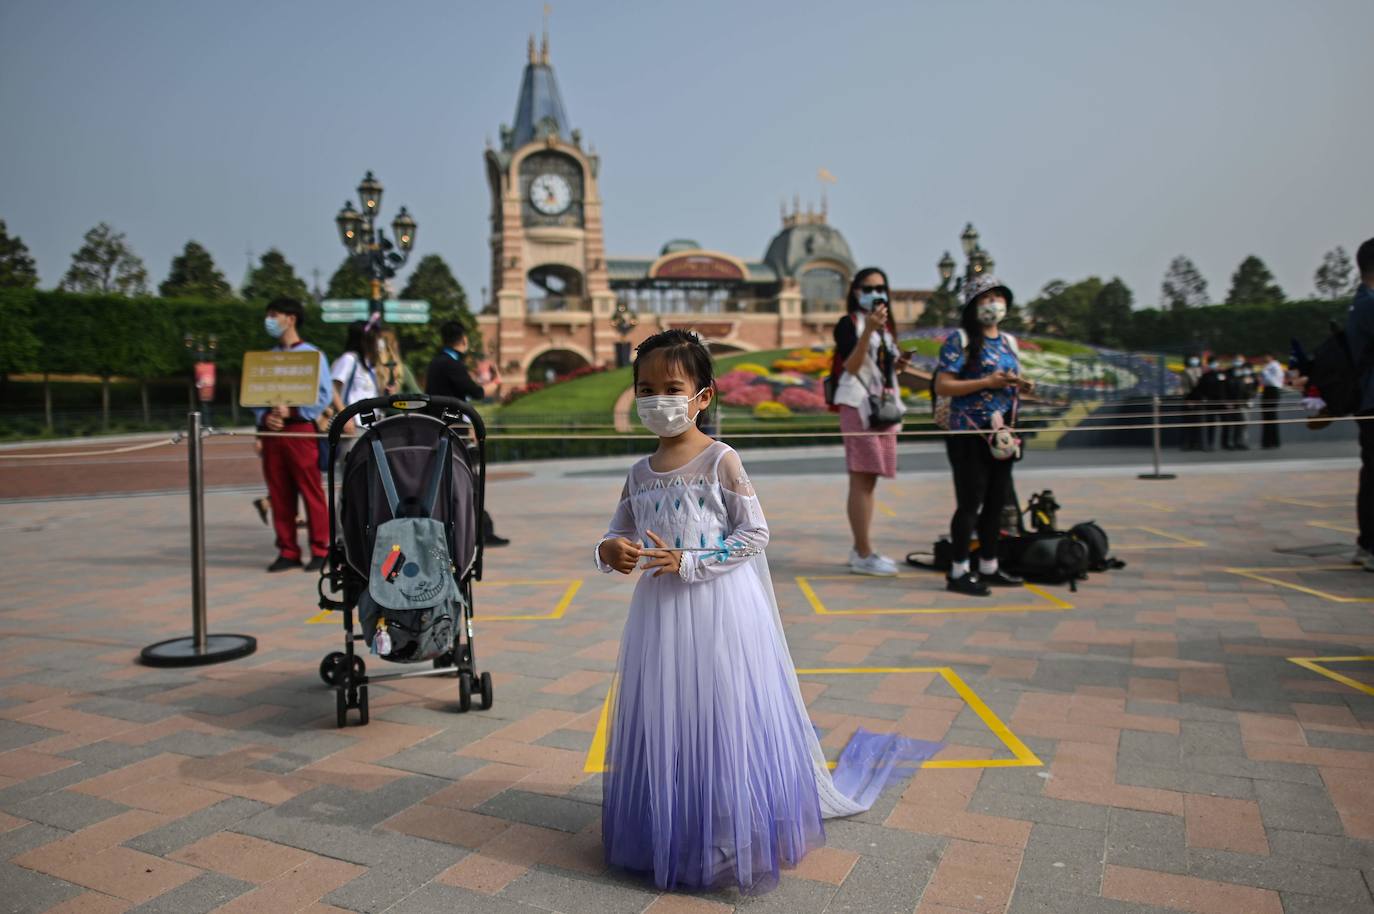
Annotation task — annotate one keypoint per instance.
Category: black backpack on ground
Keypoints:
(1046, 557)
(1099, 547)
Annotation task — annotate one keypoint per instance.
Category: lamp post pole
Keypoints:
(377, 256)
(623, 320)
(976, 262)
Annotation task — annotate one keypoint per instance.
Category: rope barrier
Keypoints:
(175, 439)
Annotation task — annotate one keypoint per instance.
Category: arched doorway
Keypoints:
(552, 364)
(554, 287)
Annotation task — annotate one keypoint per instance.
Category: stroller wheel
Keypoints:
(341, 707)
(464, 691)
(330, 666)
(485, 686)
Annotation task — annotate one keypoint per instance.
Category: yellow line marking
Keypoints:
(1151, 503)
(1332, 525)
(559, 609)
(1315, 664)
(1053, 603)
(1305, 502)
(324, 615)
(883, 507)
(1255, 575)
(1023, 757)
(1179, 542)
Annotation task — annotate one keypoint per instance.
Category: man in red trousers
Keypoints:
(291, 462)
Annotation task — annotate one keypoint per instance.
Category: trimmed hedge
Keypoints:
(1250, 329)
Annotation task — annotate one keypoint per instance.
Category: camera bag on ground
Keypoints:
(1099, 547)
(410, 607)
(1046, 557)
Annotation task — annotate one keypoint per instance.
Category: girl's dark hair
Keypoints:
(852, 300)
(973, 329)
(685, 350)
(362, 342)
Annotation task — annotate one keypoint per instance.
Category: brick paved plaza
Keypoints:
(1143, 745)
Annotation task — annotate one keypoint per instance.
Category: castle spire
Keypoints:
(544, 47)
(533, 58)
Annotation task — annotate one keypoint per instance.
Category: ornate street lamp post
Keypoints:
(623, 320)
(375, 255)
(977, 261)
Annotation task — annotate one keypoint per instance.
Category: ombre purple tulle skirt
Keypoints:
(712, 770)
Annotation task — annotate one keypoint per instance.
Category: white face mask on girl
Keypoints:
(666, 417)
(990, 313)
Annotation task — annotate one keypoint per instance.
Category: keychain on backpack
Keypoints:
(381, 641)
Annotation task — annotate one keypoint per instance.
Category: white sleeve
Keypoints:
(343, 365)
(622, 525)
(747, 530)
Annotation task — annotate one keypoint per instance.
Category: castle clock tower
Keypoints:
(550, 301)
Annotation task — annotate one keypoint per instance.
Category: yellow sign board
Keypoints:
(280, 378)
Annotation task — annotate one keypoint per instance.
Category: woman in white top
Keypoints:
(866, 363)
(355, 372)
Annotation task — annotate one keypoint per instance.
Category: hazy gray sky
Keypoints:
(1081, 138)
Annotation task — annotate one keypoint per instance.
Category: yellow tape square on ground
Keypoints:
(1318, 666)
(1051, 604)
(1022, 756)
(1265, 576)
(1174, 541)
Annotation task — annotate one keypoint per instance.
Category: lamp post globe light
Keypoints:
(374, 254)
(623, 320)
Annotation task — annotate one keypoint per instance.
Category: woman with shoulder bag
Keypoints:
(980, 371)
(864, 379)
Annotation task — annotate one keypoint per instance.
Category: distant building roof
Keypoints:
(806, 238)
(539, 111)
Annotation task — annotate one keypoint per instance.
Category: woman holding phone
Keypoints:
(980, 371)
(864, 374)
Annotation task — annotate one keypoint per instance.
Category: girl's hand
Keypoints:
(876, 319)
(620, 554)
(1026, 385)
(667, 561)
(904, 360)
(999, 379)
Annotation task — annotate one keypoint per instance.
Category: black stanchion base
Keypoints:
(182, 651)
(1156, 476)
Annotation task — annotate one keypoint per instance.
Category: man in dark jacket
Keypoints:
(448, 376)
(1209, 393)
(1359, 335)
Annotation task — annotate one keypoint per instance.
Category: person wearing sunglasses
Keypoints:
(863, 376)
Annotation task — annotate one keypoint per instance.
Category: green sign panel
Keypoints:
(394, 311)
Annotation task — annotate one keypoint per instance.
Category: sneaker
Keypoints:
(1001, 578)
(967, 584)
(316, 563)
(1361, 556)
(874, 565)
(283, 563)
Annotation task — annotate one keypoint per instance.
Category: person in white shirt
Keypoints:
(1271, 377)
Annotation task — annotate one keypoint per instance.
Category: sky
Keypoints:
(1081, 137)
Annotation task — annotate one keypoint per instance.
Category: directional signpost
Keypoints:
(394, 311)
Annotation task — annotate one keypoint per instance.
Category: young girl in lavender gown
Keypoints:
(715, 776)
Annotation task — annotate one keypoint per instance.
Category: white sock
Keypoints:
(987, 566)
(958, 569)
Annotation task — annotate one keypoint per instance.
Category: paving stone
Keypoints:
(187, 830)
(1329, 850)
(122, 709)
(537, 809)
(436, 763)
(878, 886)
(111, 755)
(884, 843)
(1146, 840)
(27, 892)
(15, 734)
(1297, 807)
(1184, 781)
(1311, 904)
(1067, 860)
(1039, 809)
(1030, 899)
(570, 895)
(199, 896)
(571, 740)
(436, 898)
(25, 838)
(67, 810)
(1304, 877)
(196, 745)
(17, 794)
(411, 862)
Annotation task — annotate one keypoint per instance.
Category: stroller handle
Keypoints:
(450, 405)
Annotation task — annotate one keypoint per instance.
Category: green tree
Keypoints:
(1062, 309)
(105, 263)
(1335, 278)
(942, 310)
(1109, 318)
(19, 346)
(350, 280)
(274, 277)
(434, 282)
(1183, 286)
(17, 269)
(1253, 284)
(194, 275)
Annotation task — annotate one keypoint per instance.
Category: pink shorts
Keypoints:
(871, 452)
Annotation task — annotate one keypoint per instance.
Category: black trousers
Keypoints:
(1364, 501)
(1269, 411)
(981, 484)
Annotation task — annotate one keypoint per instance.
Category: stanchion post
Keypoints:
(1156, 433)
(201, 647)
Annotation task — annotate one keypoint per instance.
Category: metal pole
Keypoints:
(1156, 433)
(197, 480)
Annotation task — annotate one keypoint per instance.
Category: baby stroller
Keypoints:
(406, 547)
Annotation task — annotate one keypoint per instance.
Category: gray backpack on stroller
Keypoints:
(410, 607)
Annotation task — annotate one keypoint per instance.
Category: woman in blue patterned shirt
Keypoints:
(980, 370)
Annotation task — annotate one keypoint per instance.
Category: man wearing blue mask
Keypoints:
(291, 455)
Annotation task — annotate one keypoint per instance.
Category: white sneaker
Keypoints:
(1362, 556)
(874, 565)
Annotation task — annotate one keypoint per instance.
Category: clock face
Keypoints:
(550, 194)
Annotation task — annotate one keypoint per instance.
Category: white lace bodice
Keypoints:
(707, 503)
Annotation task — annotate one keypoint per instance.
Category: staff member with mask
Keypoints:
(1272, 377)
(980, 371)
(448, 376)
(864, 370)
(291, 461)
